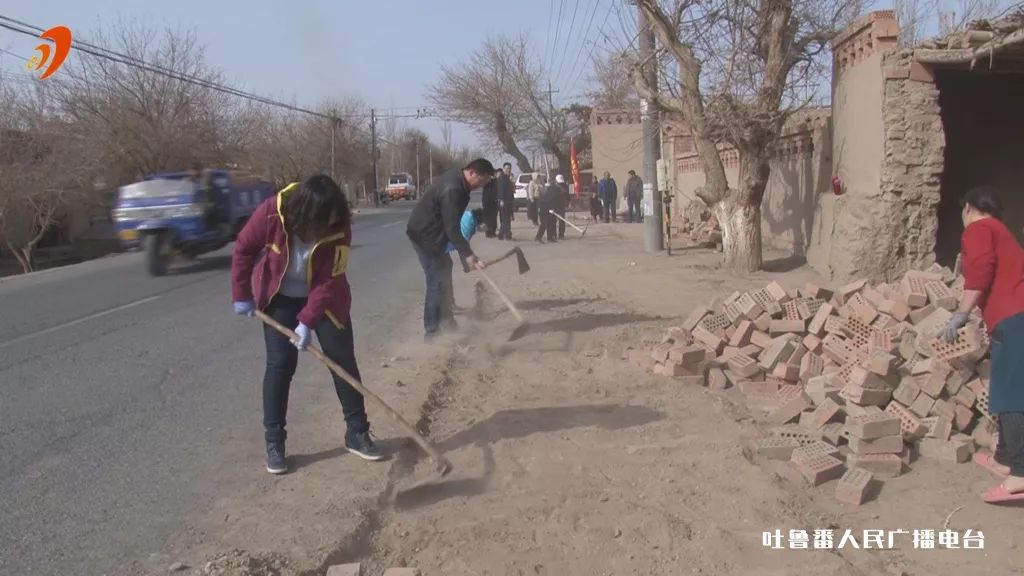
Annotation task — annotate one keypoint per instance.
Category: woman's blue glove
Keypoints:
(950, 332)
(245, 308)
(302, 331)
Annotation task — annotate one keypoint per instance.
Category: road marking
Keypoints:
(78, 321)
(392, 224)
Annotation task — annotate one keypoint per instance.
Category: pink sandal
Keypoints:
(988, 462)
(1000, 495)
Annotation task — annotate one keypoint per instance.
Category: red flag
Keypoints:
(575, 168)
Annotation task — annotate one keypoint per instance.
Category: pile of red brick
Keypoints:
(695, 227)
(851, 380)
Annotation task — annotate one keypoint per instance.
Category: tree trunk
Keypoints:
(22, 255)
(741, 233)
(510, 147)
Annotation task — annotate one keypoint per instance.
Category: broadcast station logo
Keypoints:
(61, 38)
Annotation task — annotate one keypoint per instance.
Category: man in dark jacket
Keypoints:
(634, 197)
(434, 223)
(489, 199)
(549, 201)
(563, 203)
(609, 194)
(506, 201)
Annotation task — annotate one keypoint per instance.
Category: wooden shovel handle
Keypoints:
(443, 465)
(508, 303)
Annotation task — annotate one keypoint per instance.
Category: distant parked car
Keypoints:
(401, 186)
(522, 185)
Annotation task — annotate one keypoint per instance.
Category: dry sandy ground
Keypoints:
(568, 461)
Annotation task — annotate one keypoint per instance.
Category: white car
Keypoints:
(522, 185)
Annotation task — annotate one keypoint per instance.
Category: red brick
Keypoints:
(909, 423)
(345, 570)
(802, 435)
(819, 388)
(660, 352)
(777, 292)
(749, 307)
(918, 316)
(864, 378)
(812, 343)
(913, 291)
(695, 317)
(968, 344)
(688, 356)
(944, 408)
(677, 370)
(944, 450)
(922, 406)
(760, 339)
(791, 310)
(716, 324)
(815, 291)
(717, 379)
(642, 359)
(863, 311)
(751, 350)
(882, 465)
(820, 469)
(956, 381)
(907, 391)
(833, 432)
(895, 308)
(845, 292)
(938, 427)
(741, 335)
(881, 363)
(814, 449)
(790, 410)
(940, 295)
(787, 372)
(853, 486)
(708, 338)
(743, 365)
(817, 323)
(787, 326)
(824, 412)
(811, 365)
(963, 418)
(778, 351)
(884, 445)
(871, 426)
(776, 448)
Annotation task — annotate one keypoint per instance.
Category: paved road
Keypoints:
(129, 404)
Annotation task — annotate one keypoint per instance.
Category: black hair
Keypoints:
(316, 207)
(481, 166)
(509, 164)
(984, 199)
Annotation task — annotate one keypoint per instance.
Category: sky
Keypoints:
(386, 52)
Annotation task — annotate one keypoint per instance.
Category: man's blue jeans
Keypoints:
(437, 270)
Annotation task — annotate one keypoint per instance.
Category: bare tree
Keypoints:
(743, 69)
(501, 91)
(955, 15)
(912, 18)
(613, 86)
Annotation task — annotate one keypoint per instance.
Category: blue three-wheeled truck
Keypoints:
(185, 213)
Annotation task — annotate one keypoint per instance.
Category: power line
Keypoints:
(568, 38)
(583, 44)
(558, 28)
(593, 46)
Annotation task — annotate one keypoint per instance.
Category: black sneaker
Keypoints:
(360, 444)
(275, 458)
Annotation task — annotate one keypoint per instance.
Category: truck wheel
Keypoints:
(157, 254)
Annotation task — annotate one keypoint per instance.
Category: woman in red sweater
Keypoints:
(993, 269)
(290, 262)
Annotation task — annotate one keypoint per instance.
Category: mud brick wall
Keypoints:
(888, 145)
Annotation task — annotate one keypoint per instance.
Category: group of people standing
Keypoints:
(499, 202)
(546, 200)
(604, 201)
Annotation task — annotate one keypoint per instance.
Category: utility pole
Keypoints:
(373, 154)
(417, 163)
(430, 161)
(334, 126)
(653, 228)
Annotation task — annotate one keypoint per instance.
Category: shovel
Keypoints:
(523, 326)
(443, 465)
(582, 231)
(524, 266)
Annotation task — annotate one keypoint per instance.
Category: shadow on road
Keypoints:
(554, 303)
(517, 424)
(389, 447)
(787, 264)
(588, 322)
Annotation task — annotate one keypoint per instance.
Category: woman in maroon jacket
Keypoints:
(290, 262)
(993, 269)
